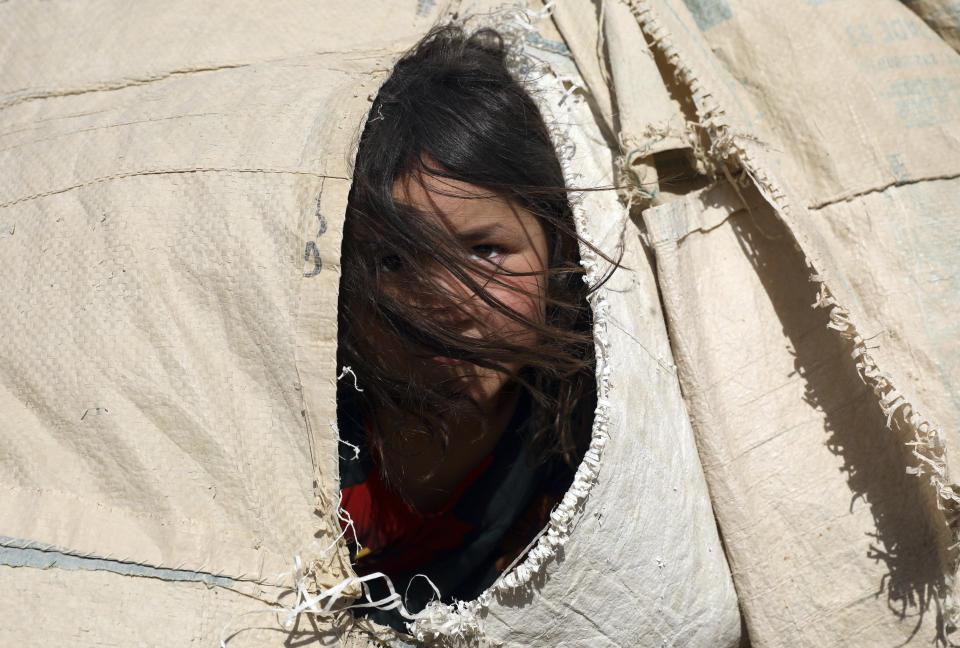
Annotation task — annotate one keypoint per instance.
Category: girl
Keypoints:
(463, 314)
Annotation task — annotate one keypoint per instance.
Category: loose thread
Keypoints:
(347, 370)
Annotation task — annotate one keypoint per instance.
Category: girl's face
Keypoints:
(500, 239)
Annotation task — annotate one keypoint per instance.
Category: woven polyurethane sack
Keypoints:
(169, 298)
(175, 185)
(837, 124)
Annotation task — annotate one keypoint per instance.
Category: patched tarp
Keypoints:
(812, 301)
(169, 306)
(176, 184)
(175, 187)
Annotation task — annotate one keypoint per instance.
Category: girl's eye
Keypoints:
(486, 252)
(391, 263)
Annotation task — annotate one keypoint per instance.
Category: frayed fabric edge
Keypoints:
(928, 444)
(460, 624)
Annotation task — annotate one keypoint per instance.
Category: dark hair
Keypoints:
(451, 110)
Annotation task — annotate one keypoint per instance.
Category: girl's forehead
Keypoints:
(467, 211)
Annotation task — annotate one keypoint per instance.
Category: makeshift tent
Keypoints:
(176, 178)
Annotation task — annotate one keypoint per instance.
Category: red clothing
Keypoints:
(489, 520)
(393, 537)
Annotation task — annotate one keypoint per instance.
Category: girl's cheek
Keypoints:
(526, 298)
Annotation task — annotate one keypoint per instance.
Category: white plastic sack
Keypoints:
(169, 305)
(807, 434)
(169, 233)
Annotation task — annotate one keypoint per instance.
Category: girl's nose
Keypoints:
(451, 301)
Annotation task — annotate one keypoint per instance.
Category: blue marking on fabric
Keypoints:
(424, 7)
(540, 42)
(15, 552)
(709, 13)
(897, 167)
(711, 58)
(922, 103)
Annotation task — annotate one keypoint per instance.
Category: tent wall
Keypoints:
(166, 270)
(841, 197)
(177, 178)
(169, 234)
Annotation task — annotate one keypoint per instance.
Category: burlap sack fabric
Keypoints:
(837, 125)
(169, 307)
(176, 181)
(174, 187)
